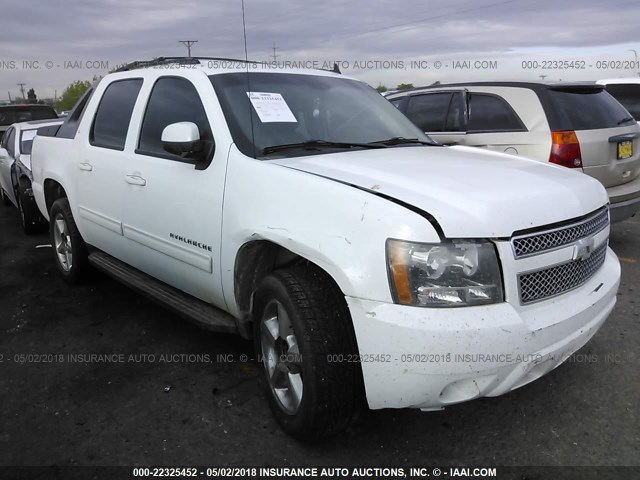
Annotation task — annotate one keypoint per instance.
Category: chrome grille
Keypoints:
(550, 282)
(551, 239)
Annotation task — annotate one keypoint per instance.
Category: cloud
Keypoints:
(118, 31)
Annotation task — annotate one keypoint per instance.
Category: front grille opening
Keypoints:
(535, 243)
(554, 281)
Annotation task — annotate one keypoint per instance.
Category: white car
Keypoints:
(15, 171)
(626, 91)
(576, 125)
(301, 209)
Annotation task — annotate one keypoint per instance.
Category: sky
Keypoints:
(46, 45)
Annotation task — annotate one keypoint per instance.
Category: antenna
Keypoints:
(246, 59)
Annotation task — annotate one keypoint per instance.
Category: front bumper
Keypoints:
(429, 358)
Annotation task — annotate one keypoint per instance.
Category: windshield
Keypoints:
(315, 111)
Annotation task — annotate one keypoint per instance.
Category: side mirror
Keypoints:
(3, 153)
(180, 138)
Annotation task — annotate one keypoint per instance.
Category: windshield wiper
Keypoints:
(625, 120)
(401, 141)
(318, 144)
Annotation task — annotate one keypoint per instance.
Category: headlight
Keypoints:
(451, 274)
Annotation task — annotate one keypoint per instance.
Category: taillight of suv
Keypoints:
(565, 149)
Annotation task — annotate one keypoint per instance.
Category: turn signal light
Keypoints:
(565, 149)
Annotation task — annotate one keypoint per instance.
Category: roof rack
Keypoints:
(177, 60)
(195, 61)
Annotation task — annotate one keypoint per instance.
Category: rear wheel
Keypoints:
(32, 220)
(304, 338)
(70, 251)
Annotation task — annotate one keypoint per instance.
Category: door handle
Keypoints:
(87, 167)
(136, 180)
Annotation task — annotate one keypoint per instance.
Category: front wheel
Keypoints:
(70, 251)
(305, 340)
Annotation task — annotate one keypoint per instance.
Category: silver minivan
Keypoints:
(576, 125)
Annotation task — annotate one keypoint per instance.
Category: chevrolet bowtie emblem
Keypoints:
(583, 248)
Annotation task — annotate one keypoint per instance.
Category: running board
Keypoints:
(186, 306)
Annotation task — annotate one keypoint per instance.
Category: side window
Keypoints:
(455, 117)
(396, 103)
(429, 111)
(173, 100)
(70, 126)
(11, 142)
(492, 113)
(112, 119)
(5, 138)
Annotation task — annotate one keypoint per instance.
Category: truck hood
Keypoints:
(470, 192)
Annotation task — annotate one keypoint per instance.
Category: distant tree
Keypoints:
(31, 96)
(381, 88)
(437, 82)
(72, 94)
(404, 86)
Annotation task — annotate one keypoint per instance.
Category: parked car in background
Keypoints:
(10, 114)
(626, 91)
(579, 126)
(15, 171)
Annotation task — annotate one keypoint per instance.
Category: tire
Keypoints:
(69, 250)
(32, 220)
(3, 197)
(311, 393)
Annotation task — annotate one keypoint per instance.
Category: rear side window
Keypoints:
(628, 95)
(429, 111)
(491, 113)
(587, 109)
(112, 119)
(173, 100)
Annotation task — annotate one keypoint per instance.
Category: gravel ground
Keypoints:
(153, 410)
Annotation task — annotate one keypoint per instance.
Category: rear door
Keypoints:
(609, 136)
(440, 114)
(101, 164)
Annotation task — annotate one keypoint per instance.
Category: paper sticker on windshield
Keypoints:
(271, 107)
(28, 135)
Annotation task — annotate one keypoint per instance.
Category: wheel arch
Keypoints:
(258, 258)
(53, 190)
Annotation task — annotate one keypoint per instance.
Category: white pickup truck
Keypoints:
(371, 266)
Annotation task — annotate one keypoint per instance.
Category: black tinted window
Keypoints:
(491, 113)
(112, 119)
(628, 95)
(172, 100)
(9, 115)
(587, 109)
(455, 118)
(11, 142)
(429, 111)
(396, 103)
